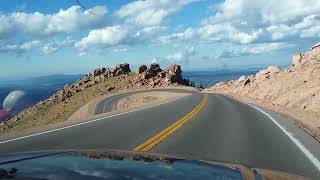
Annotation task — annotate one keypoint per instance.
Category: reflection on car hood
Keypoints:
(108, 164)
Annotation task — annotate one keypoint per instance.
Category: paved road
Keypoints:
(214, 128)
(108, 104)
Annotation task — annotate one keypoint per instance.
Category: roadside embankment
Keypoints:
(293, 91)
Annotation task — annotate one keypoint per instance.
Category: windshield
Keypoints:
(233, 81)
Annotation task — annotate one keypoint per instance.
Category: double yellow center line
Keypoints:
(152, 142)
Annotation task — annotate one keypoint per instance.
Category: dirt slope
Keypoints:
(293, 91)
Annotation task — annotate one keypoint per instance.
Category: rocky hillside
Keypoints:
(294, 91)
(102, 81)
(97, 76)
(153, 76)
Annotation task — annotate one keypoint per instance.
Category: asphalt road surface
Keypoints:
(199, 126)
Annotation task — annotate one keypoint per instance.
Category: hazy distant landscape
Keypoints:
(39, 88)
(209, 78)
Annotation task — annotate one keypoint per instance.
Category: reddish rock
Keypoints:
(154, 76)
(174, 74)
(273, 69)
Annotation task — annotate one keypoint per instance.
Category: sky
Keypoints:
(75, 36)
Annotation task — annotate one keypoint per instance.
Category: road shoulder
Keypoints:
(287, 123)
(85, 114)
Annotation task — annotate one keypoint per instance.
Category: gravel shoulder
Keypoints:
(146, 99)
(135, 101)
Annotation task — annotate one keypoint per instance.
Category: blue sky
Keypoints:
(65, 37)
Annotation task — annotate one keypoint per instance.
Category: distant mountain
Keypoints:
(40, 88)
(209, 78)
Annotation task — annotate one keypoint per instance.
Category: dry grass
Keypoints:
(42, 115)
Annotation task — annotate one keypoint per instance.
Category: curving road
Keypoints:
(199, 126)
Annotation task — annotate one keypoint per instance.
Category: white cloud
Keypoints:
(150, 12)
(177, 56)
(73, 19)
(266, 11)
(83, 53)
(151, 30)
(116, 35)
(187, 35)
(251, 21)
(214, 33)
(106, 36)
(154, 60)
(183, 56)
(308, 27)
(264, 22)
(147, 35)
(227, 32)
(54, 46)
(255, 49)
(19, 48)
(29, 45)
(282, 19)
(44, 47)
(49, 48)
(119, 50)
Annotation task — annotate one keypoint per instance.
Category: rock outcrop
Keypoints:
(141, 69)
(294, 90)
(97, 76)
(146, 77)
(154, 76)
(307, 58)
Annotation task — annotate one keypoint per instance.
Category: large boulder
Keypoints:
(296, 59)
(97, 72)
(316, 46)
(273, 69)
(267, 73)
(309, 57)
(121, 69)
(141, 69)
(155, 66)
(162, 74)
(153, 70)
(145, 73)
(174, 74)
(154, 76)
(242, 78)
(246, 81)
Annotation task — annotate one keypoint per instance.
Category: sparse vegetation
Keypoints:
(38, 116)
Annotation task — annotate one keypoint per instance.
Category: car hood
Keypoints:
(109, 164)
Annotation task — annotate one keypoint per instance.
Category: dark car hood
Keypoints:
(108, 164)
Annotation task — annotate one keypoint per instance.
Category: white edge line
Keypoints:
(306, 152)
(87, 122)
